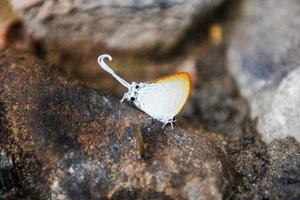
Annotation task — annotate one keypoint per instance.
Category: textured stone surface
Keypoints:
(264, 171)
(264, 48)
(114, 24)
(282, 180)
(71, 142)
(283, 117)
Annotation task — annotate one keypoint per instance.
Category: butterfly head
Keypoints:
(133, 91)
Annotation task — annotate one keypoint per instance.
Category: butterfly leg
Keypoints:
(169, 122)
(172, 126)
(124, 96)
(165, 125)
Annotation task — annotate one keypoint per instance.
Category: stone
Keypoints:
(282, 119)
(264, 171)
(119, 25)
(264, 48)
(69, 141)
(282, 180)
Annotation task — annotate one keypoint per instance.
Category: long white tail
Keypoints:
(109, 70)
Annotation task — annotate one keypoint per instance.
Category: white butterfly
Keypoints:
(162, 99)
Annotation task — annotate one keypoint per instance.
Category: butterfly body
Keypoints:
(162, 99)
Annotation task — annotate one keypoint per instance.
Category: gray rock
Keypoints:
(117, 24)
(283, 117)
(264, 47)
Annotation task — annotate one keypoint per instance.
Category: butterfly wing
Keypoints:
(164, 98)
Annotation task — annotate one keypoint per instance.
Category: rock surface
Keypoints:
(282, 180)
(127, 25)
(264, 171)
(263, 49)
(71, 142)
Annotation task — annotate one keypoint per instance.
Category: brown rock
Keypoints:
(264, 171)
(68, 141)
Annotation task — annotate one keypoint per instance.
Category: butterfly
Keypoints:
(162, 99)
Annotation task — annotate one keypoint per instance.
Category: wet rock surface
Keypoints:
(72, 142)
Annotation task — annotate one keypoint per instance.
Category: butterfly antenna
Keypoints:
(109, 70)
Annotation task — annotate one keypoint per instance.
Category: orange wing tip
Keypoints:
(188, 82)
(180, 76)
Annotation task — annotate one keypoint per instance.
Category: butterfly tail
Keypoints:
(109, 70)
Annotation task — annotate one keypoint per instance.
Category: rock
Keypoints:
(264, 171)
(119, 25)
(283, 117)
(282, 180)
(72, 142)
(264, 48)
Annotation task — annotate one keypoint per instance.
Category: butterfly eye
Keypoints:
(132, 99)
